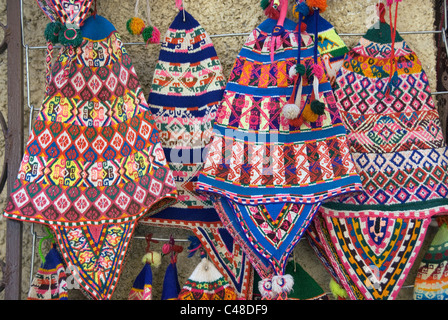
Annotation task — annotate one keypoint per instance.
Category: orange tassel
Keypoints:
(320, 4)
(308, 114)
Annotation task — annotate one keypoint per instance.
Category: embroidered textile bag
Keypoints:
(93, 163)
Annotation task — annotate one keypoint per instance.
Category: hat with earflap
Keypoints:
(262, 165)
(397, 143)
(93, 164)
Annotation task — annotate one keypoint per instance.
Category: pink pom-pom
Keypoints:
(155, 36)
(318, 71)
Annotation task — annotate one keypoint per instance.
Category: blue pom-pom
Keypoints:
(303, 8)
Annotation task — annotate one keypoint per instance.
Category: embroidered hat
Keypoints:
(50, 281)
(431, 282)
(142, 287)
(263, 167)
(93, 164)
(187, 86)
(207, 283)
(397, 144)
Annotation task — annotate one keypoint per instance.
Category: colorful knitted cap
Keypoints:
(332, 48)
(398, 147)
(187, 86)
(207, 283)
(263, 167)
(93, 163)
(50, 281)
(431, 282)
(171, 287)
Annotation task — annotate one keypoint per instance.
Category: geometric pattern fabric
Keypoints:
(397, 144)
(93, 164)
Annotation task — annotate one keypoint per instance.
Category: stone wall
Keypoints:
(217, 17)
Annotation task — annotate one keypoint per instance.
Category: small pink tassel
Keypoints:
(155, 35)
(318, 71)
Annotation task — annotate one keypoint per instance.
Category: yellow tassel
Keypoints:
(153, 258)
(135, 26)
(308, 114)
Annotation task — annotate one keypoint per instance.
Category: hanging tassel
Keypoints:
(316, 107)
(207, 283)
(39, 247)
(293, 109)
(300, 8)
(135, 26)
(338, 292)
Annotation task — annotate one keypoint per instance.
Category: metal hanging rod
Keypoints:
(42, 47)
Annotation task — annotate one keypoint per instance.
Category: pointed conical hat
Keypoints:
(50, 281)
(187, 86)
(207, 283)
